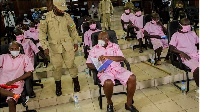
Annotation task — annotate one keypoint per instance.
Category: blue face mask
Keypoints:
(92, 6)
(39, 11)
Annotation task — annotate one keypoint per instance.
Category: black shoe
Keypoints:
(32, 95)
(132, 108)
(110, 108)
(141, 51)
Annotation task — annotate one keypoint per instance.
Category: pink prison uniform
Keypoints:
(29, 49)
(138, 22)
(185, 42)
(114, 71)
(34, 35)
(87, 37)
(154, 29)
(14, 68)
(126, 18)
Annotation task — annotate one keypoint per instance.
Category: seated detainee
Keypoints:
(125, 19)
(156, 31)
(33, 34)
(137, 24)
(87, 35)
(15, 67)
(29, 47)
(107, 50)
(184, 42)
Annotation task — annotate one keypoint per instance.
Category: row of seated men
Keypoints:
(183, 42)
(106, 50)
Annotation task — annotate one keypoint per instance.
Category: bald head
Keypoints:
(14, 46)
(103, 36)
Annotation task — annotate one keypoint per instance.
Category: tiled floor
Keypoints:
(155, 92)
(157, 99)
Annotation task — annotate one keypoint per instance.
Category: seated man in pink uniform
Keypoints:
(29, 47)
(125, 20)
(137, 24)
(32, 33)
(107, 50)
(184, 42)
(15, 67)
(87, 35)
(156, 31)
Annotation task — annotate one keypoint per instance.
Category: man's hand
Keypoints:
(101, 58)
(101, 71)
(185, 56)
(137, 29)
(10, 83)
(157, 36)
(75, 47)
(46, 52)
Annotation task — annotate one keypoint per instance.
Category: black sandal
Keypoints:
(131, 108)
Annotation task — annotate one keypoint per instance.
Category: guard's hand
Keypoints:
(75, 47)
(46, 52)
(46, 62)
(185, 56)
(10, 83)
(101, 58)
(102, 70)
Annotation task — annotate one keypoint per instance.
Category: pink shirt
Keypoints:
(185, 42)
(111, 50)
(137, 21)
(29, 48)
(29, 34)
(87, 37)
(14, 68)
(126, 18)
(154, 29)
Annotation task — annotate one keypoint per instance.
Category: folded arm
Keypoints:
(26, 75)
(151, 36)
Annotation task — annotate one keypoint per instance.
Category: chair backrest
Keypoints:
(86, 26)
(146, 18)
(80, 22)
(172, 27)
(192, 12)
(5, 49)
(112, 37)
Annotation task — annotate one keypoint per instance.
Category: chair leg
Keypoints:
(100, 98)
(90, 72)
(188, 84)
(155, 59)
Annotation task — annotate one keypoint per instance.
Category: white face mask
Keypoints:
(101, 43)
(14, 53)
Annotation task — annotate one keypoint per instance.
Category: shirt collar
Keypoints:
(52, 14)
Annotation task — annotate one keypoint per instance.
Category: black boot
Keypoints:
(76, 84)
(58, 88)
